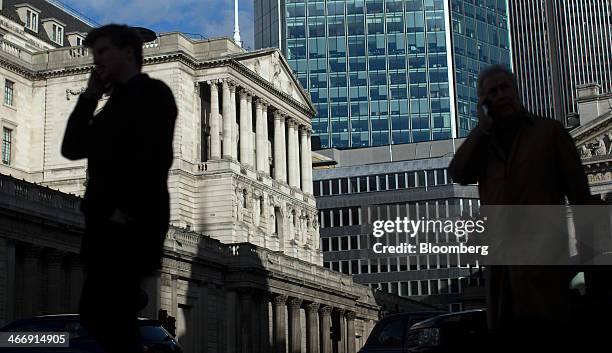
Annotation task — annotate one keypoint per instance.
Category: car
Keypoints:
(155, 338)
(389, 334)
(453, 332)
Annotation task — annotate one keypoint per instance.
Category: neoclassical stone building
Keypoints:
(242, 269)
(593, 137)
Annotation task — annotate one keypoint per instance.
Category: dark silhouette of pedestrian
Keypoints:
(128, 146)
(520, 159)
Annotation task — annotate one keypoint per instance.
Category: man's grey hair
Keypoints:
(494, 69)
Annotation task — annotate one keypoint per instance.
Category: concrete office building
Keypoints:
(387, 71)
(558, 46)
(367, 184)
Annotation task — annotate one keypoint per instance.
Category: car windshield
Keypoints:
(153, 333)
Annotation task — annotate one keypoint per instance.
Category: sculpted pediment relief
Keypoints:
(594, 139)
(600, 145)
(271, 68)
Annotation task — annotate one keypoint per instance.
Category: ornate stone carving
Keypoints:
(70, 92)
(279, 299)
(312, 307)
(325, 310)
(350, 315)
(295, 302)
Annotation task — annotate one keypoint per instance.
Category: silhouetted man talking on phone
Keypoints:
(519, 159)
(128, 146)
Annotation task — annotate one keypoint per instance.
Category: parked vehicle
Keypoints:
(154, 337)
(455, 332)
(390, 333)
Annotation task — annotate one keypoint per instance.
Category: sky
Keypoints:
(210, 18)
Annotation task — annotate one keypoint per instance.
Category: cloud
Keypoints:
(211, 18)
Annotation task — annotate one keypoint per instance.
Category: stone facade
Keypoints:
(242, 265)
(593, 137)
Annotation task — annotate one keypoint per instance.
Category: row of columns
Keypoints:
(33, 275)
(292, 154)
(286, 330)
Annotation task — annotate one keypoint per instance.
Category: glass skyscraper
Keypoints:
(558, 46)
(387, 71)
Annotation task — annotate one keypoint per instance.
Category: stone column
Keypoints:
(295, 328)
(75, 283)
(244, 130)
(264, 113)
(325, 328)
(342, 337)
(234, 123)
(260, 137)
(279, 147)
(296, 142)
(245, 319)
(304, 160)
(280, 339)
(31, 280)
(227, 121)
(263, 324)
(283, 140)
(54, 282)
(250, 142)
(350, 331)
(292, 154)
(215, 124)
(312, 328)
(9, 289)
(309, 161)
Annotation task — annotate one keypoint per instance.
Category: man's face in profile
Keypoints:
(502, 96)
(109, 59)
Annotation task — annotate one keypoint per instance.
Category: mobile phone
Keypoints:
(485, 107)
(107, 86)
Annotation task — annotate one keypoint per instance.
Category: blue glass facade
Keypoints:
(384, 71)
(480, 38)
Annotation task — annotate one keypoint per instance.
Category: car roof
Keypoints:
(68, 317)
(411, 314)
(437, 319)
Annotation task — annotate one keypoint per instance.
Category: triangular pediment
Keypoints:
(594, 139)
(270, 65)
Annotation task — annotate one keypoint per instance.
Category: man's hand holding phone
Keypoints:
(485, 121)
(95, 86)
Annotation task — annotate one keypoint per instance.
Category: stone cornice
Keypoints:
(177, 56)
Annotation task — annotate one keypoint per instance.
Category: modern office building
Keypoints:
(387, 71)
(365, 185)
(559, 45)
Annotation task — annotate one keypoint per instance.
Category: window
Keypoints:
(8, 92)
(32, 20)
(391, 335)
(79, 41)
(344, 243)
(57, 34)
(7, 136)
(454, 307)
(344, 185)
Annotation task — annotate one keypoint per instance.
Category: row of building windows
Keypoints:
(425, 287)
(431, 209)
(398, 264)
(382, 182)
(341, 243)
(340, 217)
(298, 8)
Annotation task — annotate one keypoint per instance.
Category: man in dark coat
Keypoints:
(128, 145)
(519, 159)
